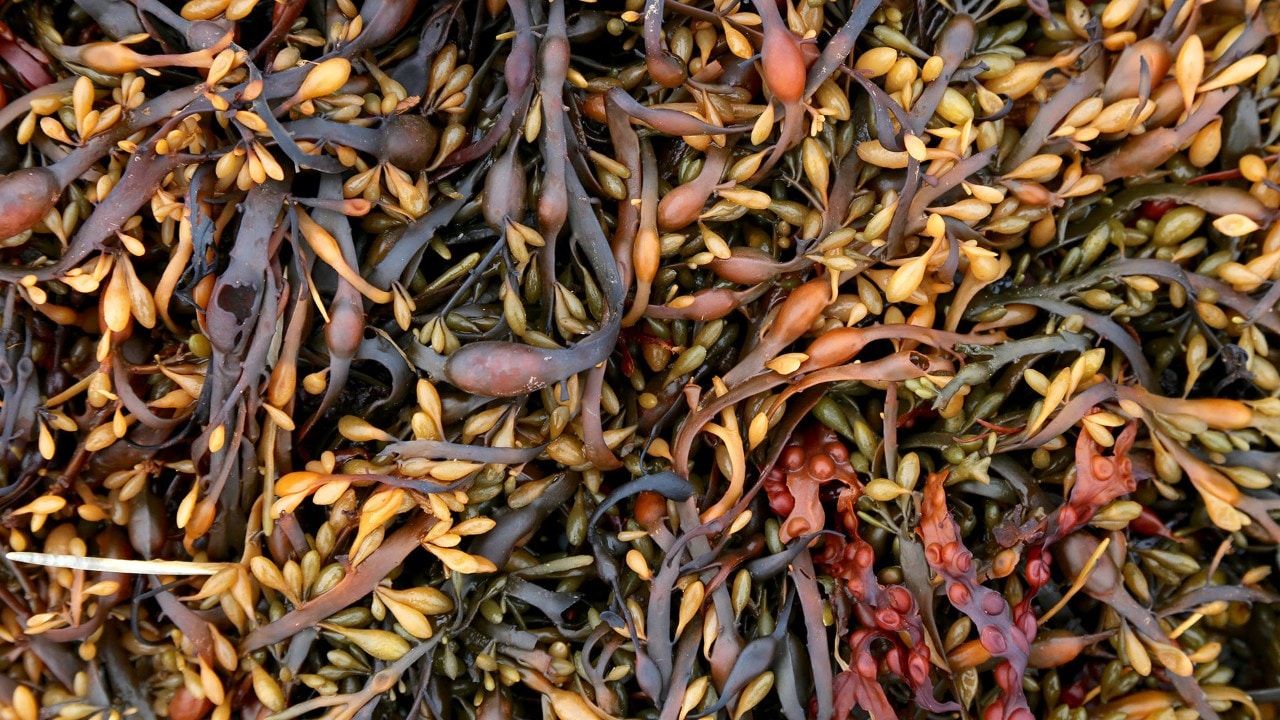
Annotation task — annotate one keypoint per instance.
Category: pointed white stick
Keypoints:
(132, 567)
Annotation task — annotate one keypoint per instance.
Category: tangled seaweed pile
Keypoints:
(428, 359)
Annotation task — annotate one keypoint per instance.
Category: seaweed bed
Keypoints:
(650, 359)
